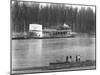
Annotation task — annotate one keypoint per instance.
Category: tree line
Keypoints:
(52, 16)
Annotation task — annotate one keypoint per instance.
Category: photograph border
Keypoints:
(53, 70)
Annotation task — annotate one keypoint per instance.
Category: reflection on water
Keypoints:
(39, 52)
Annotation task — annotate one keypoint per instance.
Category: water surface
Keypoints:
(40, 52)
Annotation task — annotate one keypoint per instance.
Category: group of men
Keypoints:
(69, 59)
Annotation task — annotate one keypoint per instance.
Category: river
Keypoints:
(40, 52)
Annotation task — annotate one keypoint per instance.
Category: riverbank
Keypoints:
(18, 38)
(58, 70)
(22, 36)
(44, 37)
(83, 65)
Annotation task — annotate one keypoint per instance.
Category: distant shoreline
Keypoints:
(71, 36)
(42, 37)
